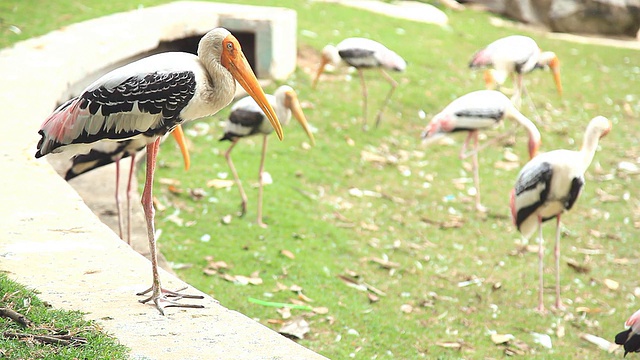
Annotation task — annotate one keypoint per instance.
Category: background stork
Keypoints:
(547, 186)
(105, 152)
(515, 55)
(247, 119)
(147, 99)
(473, 112)
(630, 338)
(364, 53)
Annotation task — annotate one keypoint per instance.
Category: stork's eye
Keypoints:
(229, 46)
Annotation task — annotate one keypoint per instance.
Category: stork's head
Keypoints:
(439, 125)
(601, 126)
(233, 59)
(549, 58)
(292, 103)
(330, 55)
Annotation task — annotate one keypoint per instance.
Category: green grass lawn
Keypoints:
(50, 322)
(453, 276)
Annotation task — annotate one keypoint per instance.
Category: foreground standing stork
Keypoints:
(516, 55)
(147, 99)
(630, 338)
(364, 53)
(247, 119)
(473, 112)
(549, 185)
(106, 152)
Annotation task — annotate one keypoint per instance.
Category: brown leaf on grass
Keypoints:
(158, 205)
(605, 197)
(304, 297)
(209, 271)
(501, 338)
(288, 254)
(611, 284)
(297, 302)
(373, 298)
(285, 312)
(579, 268)
(452, 223)
(321, 310)
(385, 263)
(197, 193)
(449, 344)
(219, 183)
(168, 181)
(275, 321)
(506, 165)
(295, 288)
(295, 329)
(406, 308)
(370, 227)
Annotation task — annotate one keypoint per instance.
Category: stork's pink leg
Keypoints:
(364, 99)
(117, 161)
(158, 294)
(243, 196)
(394, 84)
(463, 153)
(476, 173)
(261, 181)
(540, 307)
(129, 193)
(556, 251)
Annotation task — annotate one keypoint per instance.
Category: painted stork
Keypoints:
(473, 112)
(247, 119)
(517, 55)
(147, 99)
(106, 152)
(547, 186)
(364, 53)
(630, 338)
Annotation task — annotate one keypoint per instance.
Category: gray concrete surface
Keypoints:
(52, 242)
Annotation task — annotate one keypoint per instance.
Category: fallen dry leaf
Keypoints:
(406, 308)
(304, 297)
(450, 345)
(219, 183)
(285, 312)
(582, 269)
(611, 284)
(501, 338)
(373, 297)
(385, 263)
(168, 181)
(321, 310)
(295, 329)
(288, 254)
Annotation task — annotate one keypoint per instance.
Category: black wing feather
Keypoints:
(529, 181)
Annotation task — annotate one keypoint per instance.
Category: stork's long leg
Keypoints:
(464, 155)
(129, 193)
(394, 84)
(516, 99)
(364, 99)
(556, 251)
(476, 174)
(261, 181)
(158, 294)
(243, 196)
(540, 307)
(117, 161)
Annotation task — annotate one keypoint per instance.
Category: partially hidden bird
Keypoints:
(475, 111)
(106, 152)
(548, 186)
(362, 53)
(247, 119)
(146, 99)
(515, 55)
(630, 338)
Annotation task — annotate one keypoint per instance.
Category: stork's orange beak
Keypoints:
(489, 80)
(291, 101)
(234, 60)
(178, 134)
(554, 65)
(323, 63)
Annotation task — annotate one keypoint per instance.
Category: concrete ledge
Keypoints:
(51, 241)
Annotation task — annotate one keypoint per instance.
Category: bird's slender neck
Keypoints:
(534, 133)
(282, 111)
(589, 146)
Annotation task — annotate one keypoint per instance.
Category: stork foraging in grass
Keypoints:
(247, 119)
(106, 152)
(515, 55)
(473, 112)
(547, 186)
(630, 338)
(147, 99)
(364, 53)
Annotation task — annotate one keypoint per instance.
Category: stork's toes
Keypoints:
(167, 298)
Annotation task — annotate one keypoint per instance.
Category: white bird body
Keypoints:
(518, 55)
(473, 112)
(145, 100)
(362, 54)
(630, 338)
(550, 184)
(248, 119)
